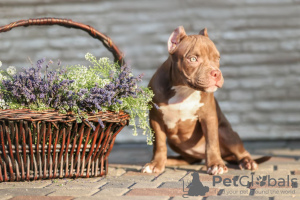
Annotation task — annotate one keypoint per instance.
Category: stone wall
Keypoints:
(259, 42)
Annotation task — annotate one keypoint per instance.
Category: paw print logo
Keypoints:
(196, 188)
(261, 181)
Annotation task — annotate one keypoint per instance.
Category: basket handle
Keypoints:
(107, 42)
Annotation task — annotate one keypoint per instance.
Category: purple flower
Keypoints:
(101, 123)
(42, 95)
(30, 85)
(156, 106)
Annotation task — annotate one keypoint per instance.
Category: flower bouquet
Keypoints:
(63, 123)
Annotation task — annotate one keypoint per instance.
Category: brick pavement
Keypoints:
(125, 181)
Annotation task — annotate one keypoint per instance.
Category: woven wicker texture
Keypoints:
(42, 145)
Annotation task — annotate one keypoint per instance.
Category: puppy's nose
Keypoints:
(216, 74)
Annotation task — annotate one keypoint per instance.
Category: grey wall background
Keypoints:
(259, 42)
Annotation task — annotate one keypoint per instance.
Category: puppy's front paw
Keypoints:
(153, 167)
(248, 163)
(217, 169)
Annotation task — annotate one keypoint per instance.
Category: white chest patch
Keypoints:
(182, 106)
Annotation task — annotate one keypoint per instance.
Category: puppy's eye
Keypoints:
(193, 59)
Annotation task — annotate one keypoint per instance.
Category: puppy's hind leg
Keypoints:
(231, 144)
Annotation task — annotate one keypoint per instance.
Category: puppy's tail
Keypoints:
(232, 160)
(262, 159)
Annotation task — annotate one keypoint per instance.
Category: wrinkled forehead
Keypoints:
(198, 45)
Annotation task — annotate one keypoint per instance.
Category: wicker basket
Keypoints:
(45, 145)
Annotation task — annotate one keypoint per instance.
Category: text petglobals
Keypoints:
(250, 180)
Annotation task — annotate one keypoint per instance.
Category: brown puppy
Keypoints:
(189, 117)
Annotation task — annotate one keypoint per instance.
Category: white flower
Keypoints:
(83, 82)
(4, 77)
(104, 60)
(84, 69)
(2, 103)
(1, 77)
(0, 63)
(11, 70)
(88, 55)
(103, 82)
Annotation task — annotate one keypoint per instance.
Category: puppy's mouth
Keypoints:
(211, 89)
(220, 83)
(208, 89)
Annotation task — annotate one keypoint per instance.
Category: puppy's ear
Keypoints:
(175, 38)
(203, 32)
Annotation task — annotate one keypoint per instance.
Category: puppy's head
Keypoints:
(196, 58)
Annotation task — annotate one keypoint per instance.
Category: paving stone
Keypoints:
(156, 192)
(134, 177)
(171, 175)
(265, 167)
(31, 184)
(132, 173)
(178, 184)
(275, 171)
(26, 192)
(238, 172)
(169, 182)
(118, 184)
(287, 198)
(146, 184)
(108, 197)
(82, 184)
(190, 167)
(164, 192)
(90, 179)
(113, 172)
(295, 166)
(5, 197)
(111, 192)
(43, 198)
(59, 183)
(74, 192)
